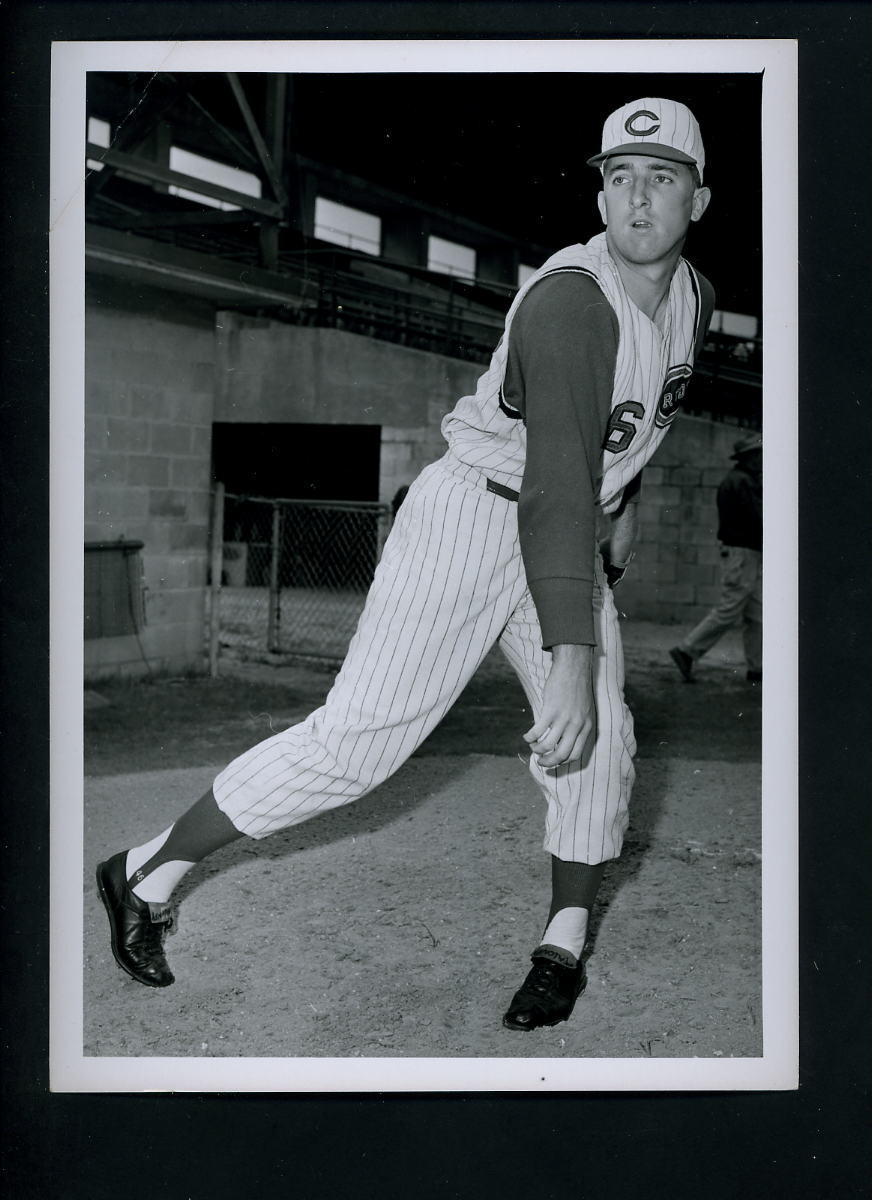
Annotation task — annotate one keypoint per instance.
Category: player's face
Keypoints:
(647, 205)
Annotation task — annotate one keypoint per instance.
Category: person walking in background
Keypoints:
(740, 532)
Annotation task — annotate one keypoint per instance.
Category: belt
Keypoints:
(499, 490)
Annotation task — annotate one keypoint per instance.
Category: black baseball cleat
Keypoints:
(683, 661)
(546, 996)
(138, 926)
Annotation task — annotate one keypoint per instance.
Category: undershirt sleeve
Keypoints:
(560, 375)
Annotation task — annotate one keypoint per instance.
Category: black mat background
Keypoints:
(811, 1143)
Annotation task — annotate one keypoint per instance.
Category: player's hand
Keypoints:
(567, 717)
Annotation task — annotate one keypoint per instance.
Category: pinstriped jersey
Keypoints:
(652, 369)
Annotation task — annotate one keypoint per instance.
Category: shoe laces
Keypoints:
(543, 978)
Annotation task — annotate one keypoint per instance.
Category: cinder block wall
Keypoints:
(674, 576)
(272, 372)
(405, 452)
(160, 370)
(268, 371)
(148, 413)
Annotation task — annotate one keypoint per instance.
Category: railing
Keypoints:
(410, 306)
(407, 304)
(443, 317)
(452, 318)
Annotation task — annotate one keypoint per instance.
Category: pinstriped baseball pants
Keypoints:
(450, 583)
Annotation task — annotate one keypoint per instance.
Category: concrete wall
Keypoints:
(268, 371)
(674, 576)
(160, 371)
(148, 414)
(272, 372)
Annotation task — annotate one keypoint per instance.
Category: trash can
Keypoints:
(114, 590)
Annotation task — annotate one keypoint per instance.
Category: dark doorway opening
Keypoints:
(297, 462)
(325, 541)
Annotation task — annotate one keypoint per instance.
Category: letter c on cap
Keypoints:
(630, 123)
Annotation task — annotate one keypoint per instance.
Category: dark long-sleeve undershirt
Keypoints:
(560, 375)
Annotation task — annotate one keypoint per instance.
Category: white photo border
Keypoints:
(777, 1068)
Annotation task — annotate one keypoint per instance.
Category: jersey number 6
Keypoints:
(621, 432)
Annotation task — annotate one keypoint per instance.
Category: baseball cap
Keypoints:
(652, 125)
(747, 444)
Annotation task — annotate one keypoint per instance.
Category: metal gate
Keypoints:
(289, 577)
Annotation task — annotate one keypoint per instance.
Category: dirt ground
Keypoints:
(400, 925)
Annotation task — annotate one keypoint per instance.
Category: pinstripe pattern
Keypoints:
(484, 433)
(588, 803)
(451, 583)
(652, 122)
(449, 578)
(647, 356)
(453, 597)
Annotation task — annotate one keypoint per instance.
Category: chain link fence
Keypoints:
(290, 577)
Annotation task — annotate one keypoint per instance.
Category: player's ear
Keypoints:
(701, 198)
(601, 205)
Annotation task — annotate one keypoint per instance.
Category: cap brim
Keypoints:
(648, 149)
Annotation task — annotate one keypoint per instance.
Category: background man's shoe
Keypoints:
(137, 926)
(683, 661)
(546, 996)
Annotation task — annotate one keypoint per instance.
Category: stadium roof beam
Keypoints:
(224, 135)
(158, 264)
(132, 130)
(177, 220)
(276, 122)
(266, 158)
(153, 172)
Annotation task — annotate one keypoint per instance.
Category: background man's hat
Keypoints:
(653, 126)
(747, 445)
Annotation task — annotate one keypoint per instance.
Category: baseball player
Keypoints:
(740, 532)
(497, 543)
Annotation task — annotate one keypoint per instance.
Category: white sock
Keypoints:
(141, 854)
(160, 883)
(568, 930)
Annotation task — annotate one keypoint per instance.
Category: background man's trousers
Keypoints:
(741, 600)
